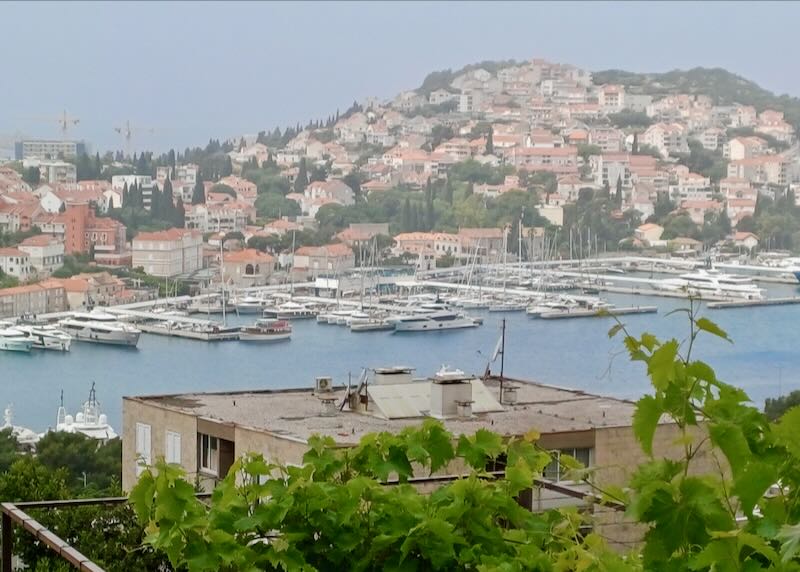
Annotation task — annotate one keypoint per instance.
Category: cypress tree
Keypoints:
(490, 141)
(414, 221)
(199, 191)
(180, 214)
(619, 191)
(301, 182)
(448, 191)
(635, 144)
(155, 203)
(125, 195)
(470, 189)
(405, 217)
(227, 167)
(430, 214)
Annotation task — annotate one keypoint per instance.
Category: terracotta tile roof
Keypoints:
(169, 234)
(249, 255)
(12, 252)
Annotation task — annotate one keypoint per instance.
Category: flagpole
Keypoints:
(502, 358)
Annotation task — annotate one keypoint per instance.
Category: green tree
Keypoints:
(775, 408)
(180, 214)
(405, 221)
(635, 144)
(82, 457)
(618, 195)
(199, 191)
(32, 176)
(301, 181)
(490, 141)
(227, 167)
(273, 205)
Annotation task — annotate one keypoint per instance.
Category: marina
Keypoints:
(543, 343)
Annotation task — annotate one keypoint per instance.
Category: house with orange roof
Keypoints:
(43, 297)
(697, 209)
(648, 233)
(737, 209)
(168, 253)
(46, 253)
(93, 289)
(361, 233)
(248, 267)
(746, 240)
(311, 261)
(668, 138)
(559, 160)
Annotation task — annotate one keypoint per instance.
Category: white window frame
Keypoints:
(143, 447)
(172, 447)
(556, 461)
(209, 454)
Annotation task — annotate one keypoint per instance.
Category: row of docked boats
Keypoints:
(95, 326)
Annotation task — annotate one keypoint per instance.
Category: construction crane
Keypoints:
(64, 121)
(127, 131)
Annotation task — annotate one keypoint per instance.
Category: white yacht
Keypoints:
(715, 283)
(100, 328)
(550, 305)
(46, 337)
(250, 305)
(289, 311)
(433, 321)
(25, 437)
(88, 421)
(13, 340)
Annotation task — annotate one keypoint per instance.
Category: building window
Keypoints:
(173, 448)
(209, 454)
(143, 452)
(556, 472)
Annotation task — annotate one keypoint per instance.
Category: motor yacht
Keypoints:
(89, 421)
(433, 321)
(100, 328)
(713, 282)
(289, 311)
(46, 337)
(13, 340)
(266, 330)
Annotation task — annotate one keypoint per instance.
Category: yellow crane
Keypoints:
(127, 131)
(64, 121)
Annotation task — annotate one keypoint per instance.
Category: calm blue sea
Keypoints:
(764, 360)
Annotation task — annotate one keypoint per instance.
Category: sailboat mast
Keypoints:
(502, 357)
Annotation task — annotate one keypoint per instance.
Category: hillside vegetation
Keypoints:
(721, 85)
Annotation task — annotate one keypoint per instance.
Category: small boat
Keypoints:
(47, 337)
(509, 306)
(266, 330)
(27, 438)
(13, 340)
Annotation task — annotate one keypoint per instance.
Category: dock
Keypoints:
(169, 329)
(754, 303)
(602, 313)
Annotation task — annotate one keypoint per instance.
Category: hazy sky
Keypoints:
(191, 71)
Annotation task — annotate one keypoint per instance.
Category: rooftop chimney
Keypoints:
(448, 388)
(510, 394)
(328, 406)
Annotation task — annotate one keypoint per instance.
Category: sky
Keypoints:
(183, 72)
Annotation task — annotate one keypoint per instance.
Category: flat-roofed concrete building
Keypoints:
(206, 432)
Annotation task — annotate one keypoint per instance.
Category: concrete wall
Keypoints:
(160, 421)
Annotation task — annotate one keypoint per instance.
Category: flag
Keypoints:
(498, 348)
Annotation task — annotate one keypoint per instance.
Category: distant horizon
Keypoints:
(223, 70)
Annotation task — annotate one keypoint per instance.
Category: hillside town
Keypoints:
(464, 163)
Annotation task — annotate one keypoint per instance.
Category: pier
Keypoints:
(600, 313)
(754, 303)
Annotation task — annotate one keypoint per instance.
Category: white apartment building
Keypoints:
(16, 263)
(45, 252)
(667, 138)
(222, 217)
(144, 182)
(168, 253)
(47, 149)
(691, 187)
(54, 172)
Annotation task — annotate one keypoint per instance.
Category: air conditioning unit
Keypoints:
(323, 385)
